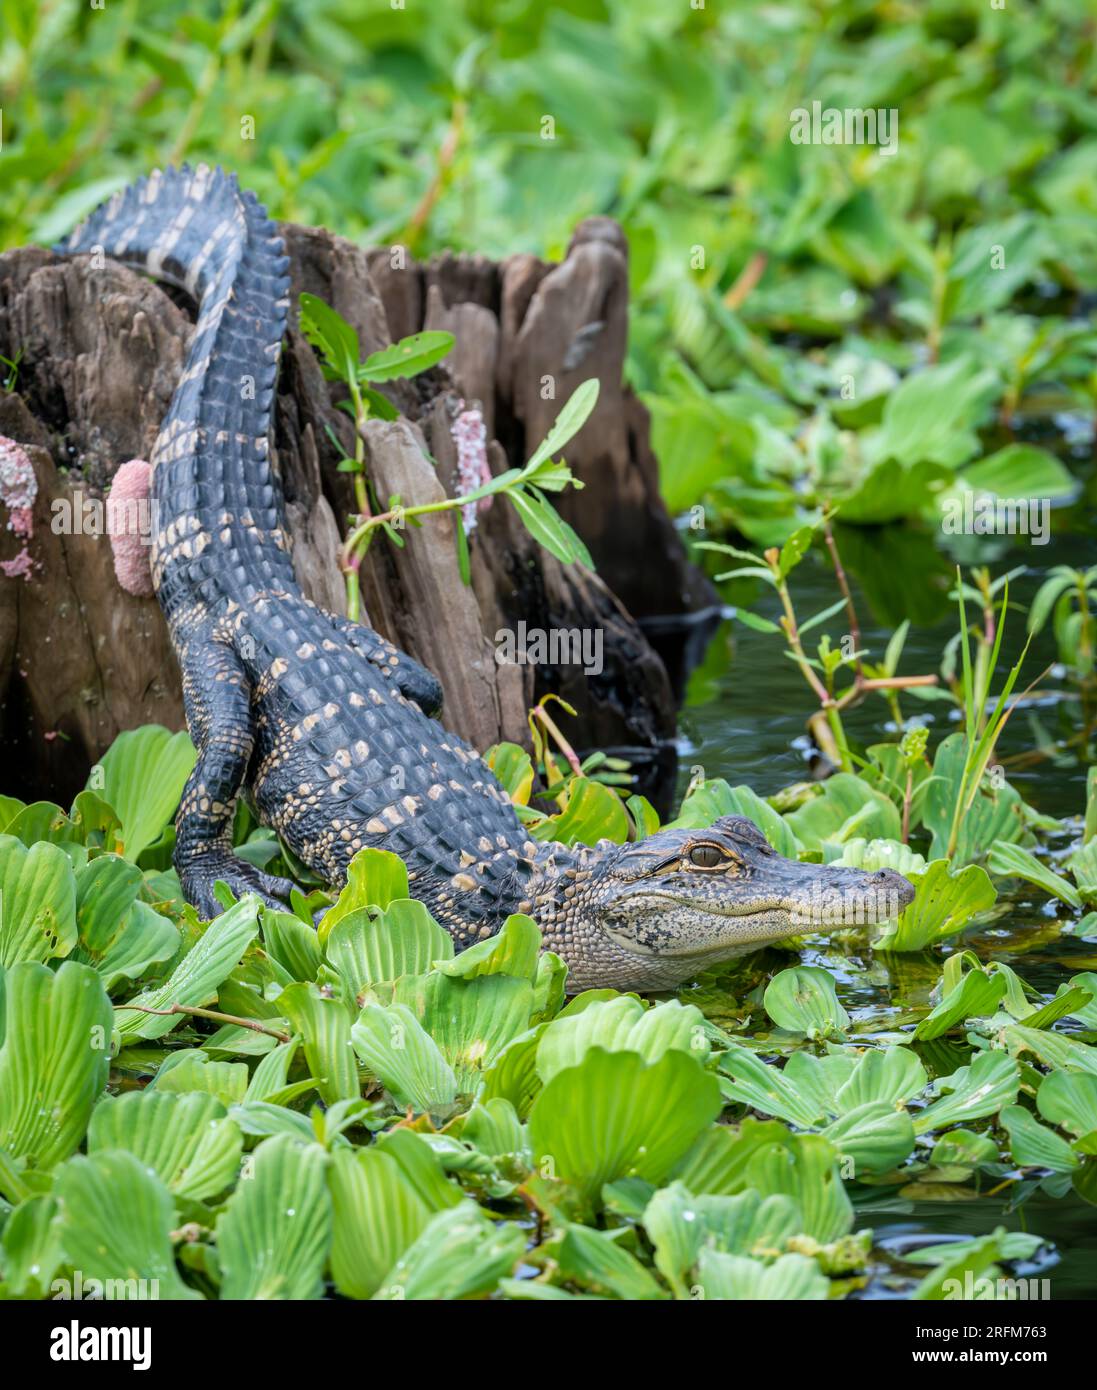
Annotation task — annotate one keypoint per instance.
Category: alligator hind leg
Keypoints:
(413, 681)
(217, 694)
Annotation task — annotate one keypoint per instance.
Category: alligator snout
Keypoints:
(834, 896)
(888, 881)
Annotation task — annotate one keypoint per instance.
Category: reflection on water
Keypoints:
(744, 720)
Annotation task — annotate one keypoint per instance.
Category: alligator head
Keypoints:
(650, 915)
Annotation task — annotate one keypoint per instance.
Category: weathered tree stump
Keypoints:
(81, 659)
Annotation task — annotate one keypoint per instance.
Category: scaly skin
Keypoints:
(324, 726)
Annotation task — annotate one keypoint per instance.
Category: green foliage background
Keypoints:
(424, 124)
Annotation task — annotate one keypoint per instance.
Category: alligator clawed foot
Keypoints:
(201, 873)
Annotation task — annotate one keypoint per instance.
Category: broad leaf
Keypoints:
(396, 1049)
(116, 1223)
(143, 774)
(274, 1235)
(37, 902)
(54, 1061)
(612, 1116)
(187, 1139)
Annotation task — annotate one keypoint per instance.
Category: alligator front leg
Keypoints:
(219, 716)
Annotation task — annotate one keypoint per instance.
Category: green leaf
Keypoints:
(1069, 1099)
(846, 807)
(1052, 589)
(980, 281)
(1083, 865)
(43, 820)
(622, 1025)
(983, 1088)
(379, 1214)
(962, 1148)
(37, 902)
(612, 1116)
(116, 1220)
(790, 1278)
(471, 1021)
(332, 336)
(994, 814)
(933, 414)
(119, 936)
(719, 1161)
(767, 1089)
(195, 980)
(30, 1247)
(379, 405)
(55, 1059)
(976, 996)
(274, 1234)
(803, 999)
(513, 1074)
(875, 1137)
(943, 905)
(1019, 471)
(1033, 1145)
(464, 562)
(396, 1049)
(514, 950)
(569, 422)
(805, 1169)
(548, 528)
(889, 1077)
(325, 1026)
(819, 618)
(969, 1266)
(594, 1260)
(644, 815)
(292, 943)
(143, 774)
(1013, 861)
(459, 1254)
(1053, 1049)
(681, 1225)
(188, 1070)
(755, 623)
(592, 813)
(408, 357)
(794, 549)
(872, 855)
(186, 1139)
(514, 769)
(371, 949)
(375, 878)
(270, 1075)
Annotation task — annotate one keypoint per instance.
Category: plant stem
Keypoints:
(1085, 632)
(446, 154)
(352, 554)
(905, 834)
(792, 635)
(540, 713)
(746, 280)
(843, 585)
(212, 1014)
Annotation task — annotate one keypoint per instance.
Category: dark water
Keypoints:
(744, 719)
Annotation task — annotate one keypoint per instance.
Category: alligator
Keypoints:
(326, 728)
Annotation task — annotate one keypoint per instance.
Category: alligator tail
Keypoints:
(219, 503)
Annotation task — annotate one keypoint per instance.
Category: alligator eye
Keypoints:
(706, 856)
